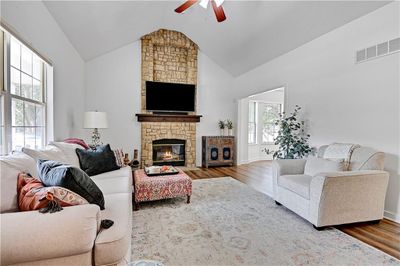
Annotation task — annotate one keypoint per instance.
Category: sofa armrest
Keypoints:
(118, 181)
(286, 167)
(30, 236)
(289, 166)
(347, 197)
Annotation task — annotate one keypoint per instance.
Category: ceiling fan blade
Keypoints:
(185, 6)
(219, 11)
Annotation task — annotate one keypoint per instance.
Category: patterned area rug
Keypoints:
(229, 223)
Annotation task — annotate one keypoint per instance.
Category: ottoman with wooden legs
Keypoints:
(149, 188)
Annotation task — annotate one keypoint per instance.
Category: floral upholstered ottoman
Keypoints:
(149, 188)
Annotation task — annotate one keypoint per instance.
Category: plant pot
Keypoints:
(221, 131)
(230, 132)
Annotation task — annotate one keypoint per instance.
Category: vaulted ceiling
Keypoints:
(254, 32)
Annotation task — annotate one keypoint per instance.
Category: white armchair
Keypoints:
(333, 197)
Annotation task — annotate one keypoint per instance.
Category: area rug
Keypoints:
(229, 223)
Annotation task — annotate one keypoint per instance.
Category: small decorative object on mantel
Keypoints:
(229, 125)
(292, 139)
(221, 125)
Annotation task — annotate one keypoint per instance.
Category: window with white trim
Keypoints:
(270, 113)
(23, 99)
(252, 139)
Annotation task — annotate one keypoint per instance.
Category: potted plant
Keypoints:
(221, 125)
(291, 140)
(229, 125)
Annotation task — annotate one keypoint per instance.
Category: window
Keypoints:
(269, 114)
(23, 105)
(252, 123)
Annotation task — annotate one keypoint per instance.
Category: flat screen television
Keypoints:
(170, 97)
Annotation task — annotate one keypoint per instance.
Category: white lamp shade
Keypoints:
(95, 120)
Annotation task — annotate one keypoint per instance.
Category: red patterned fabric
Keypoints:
(148, 188)
(77, 141)
(33, 195)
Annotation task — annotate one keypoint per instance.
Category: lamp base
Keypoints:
(95, 139)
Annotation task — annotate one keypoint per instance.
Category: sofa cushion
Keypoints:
(365, 158)
(118, 181)
(10, 167)
(33, 236)
(112, 244)
(98, 161)
(48, 153)
(319, 165)
(68, 149)
(299, 184)
(53, 173)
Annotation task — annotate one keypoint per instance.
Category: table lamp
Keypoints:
(95, 120)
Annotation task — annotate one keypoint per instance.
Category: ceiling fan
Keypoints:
(216, 4)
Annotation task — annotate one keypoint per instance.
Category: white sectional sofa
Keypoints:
(334, 198)
(72, 236)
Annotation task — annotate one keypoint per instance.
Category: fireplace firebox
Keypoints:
(169, 152)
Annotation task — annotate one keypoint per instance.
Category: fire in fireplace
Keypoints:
(169, 152)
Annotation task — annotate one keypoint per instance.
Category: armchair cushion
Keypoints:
(318, 165)
(299, 184)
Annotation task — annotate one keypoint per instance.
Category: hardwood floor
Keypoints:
(384, 236)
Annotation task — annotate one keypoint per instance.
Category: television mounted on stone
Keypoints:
(170, 97)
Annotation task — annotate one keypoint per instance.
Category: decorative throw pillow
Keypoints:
(95, 162)
(77, 141)
(68, 151)
(54, 173)
(319, 165)
(119, 157)
(50, 152)
(33, 195)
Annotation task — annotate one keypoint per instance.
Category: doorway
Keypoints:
(256, 125)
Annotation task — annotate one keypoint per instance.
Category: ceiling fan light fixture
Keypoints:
(219, 2)
(204, 3)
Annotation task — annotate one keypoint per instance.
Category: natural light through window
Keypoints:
(23, 105)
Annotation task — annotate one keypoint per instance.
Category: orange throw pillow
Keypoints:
(33, 195)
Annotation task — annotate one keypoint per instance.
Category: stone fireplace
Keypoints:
(167, 56)
(169, 152)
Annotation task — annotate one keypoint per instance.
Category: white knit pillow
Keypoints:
(320, 165)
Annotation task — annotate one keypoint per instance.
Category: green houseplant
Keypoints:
(291, 140)
(221, 125)
(229, 125)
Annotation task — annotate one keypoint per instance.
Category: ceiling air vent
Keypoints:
(378, 50)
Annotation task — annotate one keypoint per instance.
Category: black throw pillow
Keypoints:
(95, 162)
(53, 173)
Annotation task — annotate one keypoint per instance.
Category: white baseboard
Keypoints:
(243, 162)
(392, 216)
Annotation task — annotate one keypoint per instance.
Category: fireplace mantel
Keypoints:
(168, 118)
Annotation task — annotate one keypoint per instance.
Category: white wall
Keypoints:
(273, 96)
(113, 85)
(33, 22)
(343, 101)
